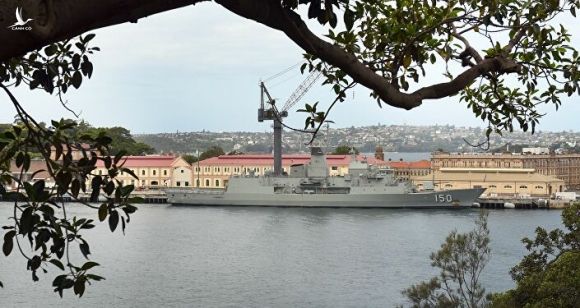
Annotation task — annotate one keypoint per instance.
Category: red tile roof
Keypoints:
(160, 161)
(421, 164)
(289, 159)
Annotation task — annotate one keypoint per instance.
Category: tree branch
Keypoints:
(272, 14)
(54, 21)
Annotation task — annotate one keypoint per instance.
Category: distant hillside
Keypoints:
(393, 138)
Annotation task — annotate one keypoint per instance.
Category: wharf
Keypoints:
(520, 203)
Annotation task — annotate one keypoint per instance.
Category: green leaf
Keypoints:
(103, 212)
(407, 61)
(113, 220)
(349, 19)
(89, 265)
(126, 190)
(95, 277)
(38, 187)
(77, 79)
(119, 155)
(50, 50)
(75, 187)
(76, 61)
(84, 247)
(87, 68)
(8, 242)
(79, 287)
(89, 37)
(57, 263)
(130, 172)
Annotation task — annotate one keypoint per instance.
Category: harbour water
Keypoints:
(269, 257)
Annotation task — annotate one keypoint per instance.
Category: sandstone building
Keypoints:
(564, 166)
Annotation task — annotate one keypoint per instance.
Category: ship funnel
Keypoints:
(316, 151)
(317, 167)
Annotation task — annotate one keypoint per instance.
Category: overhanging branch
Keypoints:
(272, 14)
(58, 20)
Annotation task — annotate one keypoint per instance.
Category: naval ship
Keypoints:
(309, 185)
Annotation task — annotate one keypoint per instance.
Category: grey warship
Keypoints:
(309, 185)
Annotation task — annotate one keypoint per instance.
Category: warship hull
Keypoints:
(440, 199)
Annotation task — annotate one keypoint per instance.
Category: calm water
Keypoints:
(269, 257)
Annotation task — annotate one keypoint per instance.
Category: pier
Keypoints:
(517, 203)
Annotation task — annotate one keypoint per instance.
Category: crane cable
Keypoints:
(284, 71)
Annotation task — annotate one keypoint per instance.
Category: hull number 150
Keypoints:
(441, 198)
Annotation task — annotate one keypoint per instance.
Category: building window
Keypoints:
(508, 186)
(334, 168)
(186, 183)
(164, 172)
(182, 171)
(178, 183)
(143, 182)
(492, 186)
(523, 186)
(197, 183)
(448, 185)
(217, 183)
(154, 172)
(100, 172)
(206, 183)
(142, 172)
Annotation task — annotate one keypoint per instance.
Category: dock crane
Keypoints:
(272, 113)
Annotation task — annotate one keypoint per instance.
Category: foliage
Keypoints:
(461, 260)
(40, 217)
(549, 275)
(121, 140)
(400, 41)
(190, 159)
(57, 66)
(345, 150)
(212, 151)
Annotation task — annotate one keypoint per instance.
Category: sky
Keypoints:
(198, 68)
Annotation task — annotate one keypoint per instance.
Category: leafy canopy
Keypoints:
(461, 260)
(549, 275)
(503, 58)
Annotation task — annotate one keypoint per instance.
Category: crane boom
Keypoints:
(276, 115)
(301, 90)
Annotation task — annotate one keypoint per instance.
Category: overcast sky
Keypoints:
(199, 67)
